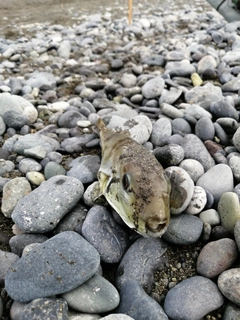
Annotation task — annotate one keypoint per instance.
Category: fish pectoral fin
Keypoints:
(103, 179)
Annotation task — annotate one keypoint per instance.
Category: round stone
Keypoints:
(192, 299)
(210, 216)
(183, 229)
(153, 88)
(229, 210)
(228, 283)
(198, 201)
(216, 257)
(217, 180)
(97, 295)
(161, 131)
(193, 167)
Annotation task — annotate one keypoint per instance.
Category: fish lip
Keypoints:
(156, 234)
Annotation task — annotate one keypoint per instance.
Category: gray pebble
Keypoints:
(6, 261)
(183, 229)
(192, 299)
(101, 230)
(234, 164)
(229, 210)
(42, 80)
(210, 216)
(14, 119)
(228, 283)
(162, 130)
(194, 149)
(204, 129)
(97, 295)
(53, 169)
(153, 88)
(56, 266)
(217, 183)
(6, 166)
(41, 210)
(221, 109)
(198, 201)
(137, 304)
(32, 140)
(169, 155)
(193, 167)
(28, 164)
(37, 152)
(180, 126)
(231, 312)
(216, 257)
(85, 168)
(35, 178)
(13, 191)
(18, 242)
(145, 256)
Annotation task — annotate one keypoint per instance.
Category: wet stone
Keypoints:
(58, 265)
(41, 210)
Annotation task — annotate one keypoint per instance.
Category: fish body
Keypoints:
(133, 182)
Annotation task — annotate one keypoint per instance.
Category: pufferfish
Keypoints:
(133, 182)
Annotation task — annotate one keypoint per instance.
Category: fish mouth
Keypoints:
(156, 230)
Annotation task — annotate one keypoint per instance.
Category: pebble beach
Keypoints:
(170, 78)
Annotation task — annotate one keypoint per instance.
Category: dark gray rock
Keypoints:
(192, 299)
(145, 256)
(231, 312)
(41, 210)
(221, 109)
(137, 304)
(58, 265)
(180, 126)
(53, 169)
(18, 242)
(204, 129)
(69, 119)
(14, 119)
(6, 261)
(102, 231)
(194, 149)
(45, 308)
(169, 155)
(85, 168)
(183, 229)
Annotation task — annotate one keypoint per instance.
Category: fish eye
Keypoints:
(125, 182)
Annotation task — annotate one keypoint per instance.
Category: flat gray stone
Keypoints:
(153, 88)
(41, 210)
(183, 229)
(145, 256)
(56, 266)
(192, 299)
(96, 295)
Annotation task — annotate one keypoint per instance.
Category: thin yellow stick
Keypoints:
(129, 11)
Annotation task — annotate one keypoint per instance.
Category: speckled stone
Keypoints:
(228, 283)
(229, 210)
(192, 299)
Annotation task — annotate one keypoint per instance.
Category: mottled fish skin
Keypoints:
(133, 182)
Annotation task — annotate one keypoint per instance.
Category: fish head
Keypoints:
(141, 199)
